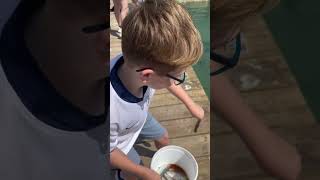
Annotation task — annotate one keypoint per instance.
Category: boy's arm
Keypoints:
(181, 94)
(274, 154)
(119, 160)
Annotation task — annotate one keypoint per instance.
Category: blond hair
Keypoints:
(160, 33)
(229, 14)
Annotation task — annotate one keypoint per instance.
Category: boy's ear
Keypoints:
(145, 75)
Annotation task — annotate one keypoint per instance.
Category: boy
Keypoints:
(53, 66)
(159, 42)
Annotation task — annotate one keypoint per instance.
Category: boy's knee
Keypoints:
(163, 141)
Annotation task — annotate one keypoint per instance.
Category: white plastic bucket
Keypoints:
(175, 155)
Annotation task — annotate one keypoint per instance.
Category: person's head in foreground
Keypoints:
(77, 48)
(227, 16)
(226, 19)
(159, 41)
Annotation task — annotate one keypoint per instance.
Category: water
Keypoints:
(200, 13)
(294, 26)
(173, 172)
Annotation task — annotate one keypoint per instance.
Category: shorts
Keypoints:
(152, 130)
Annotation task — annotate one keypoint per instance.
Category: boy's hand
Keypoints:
(197, 112)
(194, 108)
(150, 174)
(121, 161)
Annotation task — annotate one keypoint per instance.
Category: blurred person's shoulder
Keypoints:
(7, 8)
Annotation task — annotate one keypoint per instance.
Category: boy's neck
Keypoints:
(79, 88)
(130, 79)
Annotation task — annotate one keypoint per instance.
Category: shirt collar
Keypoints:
(120, 88)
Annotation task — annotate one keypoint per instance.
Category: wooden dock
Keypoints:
(268, 86)
(174, 116)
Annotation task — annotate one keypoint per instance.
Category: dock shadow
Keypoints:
(143, 150)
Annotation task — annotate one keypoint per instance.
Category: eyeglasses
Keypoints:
(95, 28)
(225, 62)
(177, 80)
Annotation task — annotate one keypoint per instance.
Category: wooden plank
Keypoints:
(204, 168)
(277, 61)
(258, 66)
(254, 24)
(275, 100)
(308, 143)
(199, 145)
(231, 158)
(195, 85)
(169, 99)
(262, 74)
(248, 177)
(184, 127)
(177, 111)
(259, 39)
(235, 168)
(262, 48)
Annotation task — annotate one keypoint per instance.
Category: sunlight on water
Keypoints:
(200, 13)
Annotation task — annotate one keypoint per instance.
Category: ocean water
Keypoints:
(200, 13)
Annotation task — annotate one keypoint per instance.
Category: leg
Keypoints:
(124, 11)
(117, 10)
(163, 141)
(120, 10)
(153, 130)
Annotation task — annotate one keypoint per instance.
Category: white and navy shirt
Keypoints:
(128, 113)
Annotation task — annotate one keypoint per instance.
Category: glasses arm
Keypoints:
(220, 71)
(176, 79)
(227, 62)
(231, 62)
